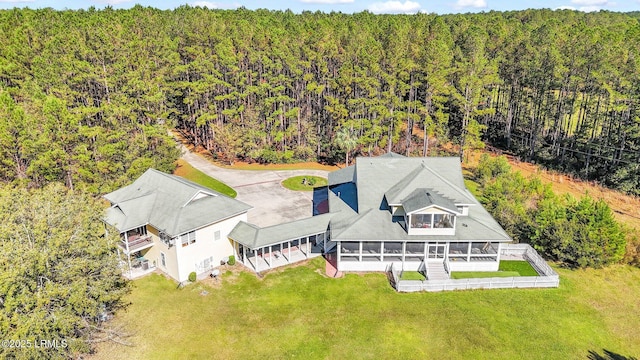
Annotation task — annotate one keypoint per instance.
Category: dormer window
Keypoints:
(443, 221)
(431, 221)
(463, 210)
(422, 221)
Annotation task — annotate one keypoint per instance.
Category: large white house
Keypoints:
(414, 213)
(172, 224)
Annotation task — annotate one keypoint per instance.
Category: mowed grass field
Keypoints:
(185, 170)
(299, 313)
(304, 182)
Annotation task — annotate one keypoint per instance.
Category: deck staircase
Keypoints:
(437, 271)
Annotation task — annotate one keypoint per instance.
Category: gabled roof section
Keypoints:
(443, 182)
(391, 154)
(255, 237)
(169, 203)
(342, 176)
(406, 181)
(423, 198)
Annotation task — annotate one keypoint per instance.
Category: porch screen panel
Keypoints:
(483, 251)
(414, 251)
(415, 248)
(350, 247)
(371, 247)
(459, 248)
(393, 248)
(458, 251)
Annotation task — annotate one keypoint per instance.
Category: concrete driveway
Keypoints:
(272, 203)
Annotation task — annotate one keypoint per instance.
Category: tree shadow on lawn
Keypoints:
(608, 355)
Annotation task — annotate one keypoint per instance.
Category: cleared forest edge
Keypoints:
(242, 165)
(626, 207)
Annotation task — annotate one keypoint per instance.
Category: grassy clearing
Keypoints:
(482, 274)
(304, 182)
(188, 172)
(299, 313)
(411, 275)
(523, 268)
(507, 268)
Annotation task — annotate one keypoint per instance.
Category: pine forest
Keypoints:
(88, 97)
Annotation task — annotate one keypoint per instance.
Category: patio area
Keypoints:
(136, 270)
(276, 256)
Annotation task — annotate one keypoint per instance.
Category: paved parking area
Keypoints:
(272, 203)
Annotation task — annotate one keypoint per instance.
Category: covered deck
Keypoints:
(278, 255)
(266, 248)
(135, 240)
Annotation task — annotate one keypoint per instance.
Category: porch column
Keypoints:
(469, 251)
(404, 251)
(289, 248)
(255, 260)
(381, 251)
(270, 257)
(244, 255)
(126, 244)
(282, 251)
(308, 248)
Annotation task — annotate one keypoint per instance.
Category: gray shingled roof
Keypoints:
(169, 203)
(423, 197)
(342, 176)
(400, 180)
(255, 237)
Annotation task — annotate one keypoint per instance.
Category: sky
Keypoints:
(345, 6)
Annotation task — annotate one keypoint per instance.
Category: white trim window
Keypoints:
(216, 235)
(188, 238)
(163, 260)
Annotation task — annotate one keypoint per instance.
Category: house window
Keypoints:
(443, 221)
(421, 221)
(216, 235)
(163, 260)
(188, 238)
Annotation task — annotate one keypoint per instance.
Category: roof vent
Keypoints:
(465, 225)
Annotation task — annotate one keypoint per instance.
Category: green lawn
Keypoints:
(300, 313)
(188, 172)
(411, 275)
(304, 182)
(507, 268)
(520, 266)
(482, 274)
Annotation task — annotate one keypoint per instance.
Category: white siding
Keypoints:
(206, 247)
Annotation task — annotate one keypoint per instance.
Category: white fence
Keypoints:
(548, 277)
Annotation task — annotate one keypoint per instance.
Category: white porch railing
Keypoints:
(547, 278)
(139, 243)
